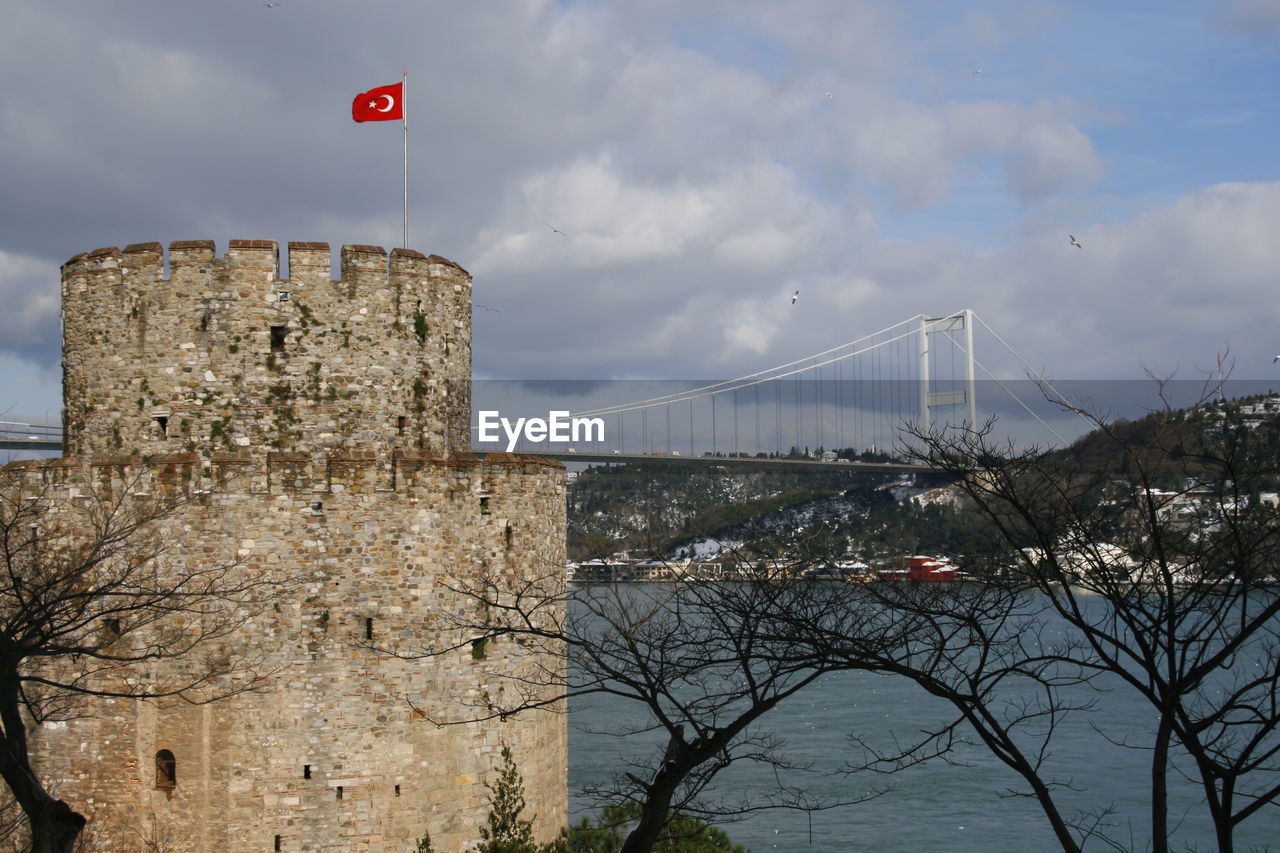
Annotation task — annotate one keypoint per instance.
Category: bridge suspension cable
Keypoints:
(781, 371)
(883, 371)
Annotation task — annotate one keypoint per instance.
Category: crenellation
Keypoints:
(190, 254)
(309, 263)
(260, 257)
(381, 355)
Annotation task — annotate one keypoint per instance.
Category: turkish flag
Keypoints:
(381, 104)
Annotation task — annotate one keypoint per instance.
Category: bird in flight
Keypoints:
(270, 5)
(794, 297)
(978, 70)
(829, 95)
(557, 230)
(1274, 360)
(1075, 242)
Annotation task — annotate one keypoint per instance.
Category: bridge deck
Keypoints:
(733, 461)
(49, 444)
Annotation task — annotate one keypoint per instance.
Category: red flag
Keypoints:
(381, 104)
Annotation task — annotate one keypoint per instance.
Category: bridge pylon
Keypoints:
(961, 321)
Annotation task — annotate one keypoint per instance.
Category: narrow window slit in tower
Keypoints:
(162, 423)
(477, 648)
(278, 843)
(397, 790)
(339, 792)
(278, 334)
(306, 771)
(368, 629)
(484, 505)
(401, 423)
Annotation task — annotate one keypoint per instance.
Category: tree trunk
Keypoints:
(56, 828)
(1160, 787)
(653, 813)
(679, 759)
(1223, 821)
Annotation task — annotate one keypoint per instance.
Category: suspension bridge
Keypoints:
(845, 406)
(842, 407)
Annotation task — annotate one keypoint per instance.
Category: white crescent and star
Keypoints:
(391, 103)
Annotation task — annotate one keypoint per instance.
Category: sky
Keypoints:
(638, 188)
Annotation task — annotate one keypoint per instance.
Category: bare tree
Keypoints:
(984, 648)
(92, 591)
(1159, 554)
(705, 660)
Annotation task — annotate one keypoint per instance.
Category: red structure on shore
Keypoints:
(921, 568)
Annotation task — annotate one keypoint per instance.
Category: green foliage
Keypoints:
(424, 844)
(507, 831)
(681, 834)
(220, 433)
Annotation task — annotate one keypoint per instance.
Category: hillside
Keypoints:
(671, 509)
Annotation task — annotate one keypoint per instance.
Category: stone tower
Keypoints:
(324, 423)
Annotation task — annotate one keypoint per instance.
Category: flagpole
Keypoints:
(404, 113)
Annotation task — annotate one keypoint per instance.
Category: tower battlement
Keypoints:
(224, 354)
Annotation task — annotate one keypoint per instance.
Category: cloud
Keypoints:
(690, 156)
(29, 325)
(1049, 157)
(1258, 20)
(747, 214)
(1170, 288)
(749, 327)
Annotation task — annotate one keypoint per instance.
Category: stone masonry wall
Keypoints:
(366, 521)
(225, 355)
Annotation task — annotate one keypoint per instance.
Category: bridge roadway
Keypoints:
(11, 442)
(34, 442)
(732, 461)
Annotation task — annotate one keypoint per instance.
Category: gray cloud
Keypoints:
(688, 152)
(1258, 20)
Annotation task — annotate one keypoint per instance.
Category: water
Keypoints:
(938, 806)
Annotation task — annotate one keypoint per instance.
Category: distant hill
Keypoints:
(660, 508)
(1179, 436)
(668, 509)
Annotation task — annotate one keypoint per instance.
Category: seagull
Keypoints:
(978, 70)
(794, 297)
(1075, 242)
(269, 5)
(829, 94)
(557, 230)
(1274, 360)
